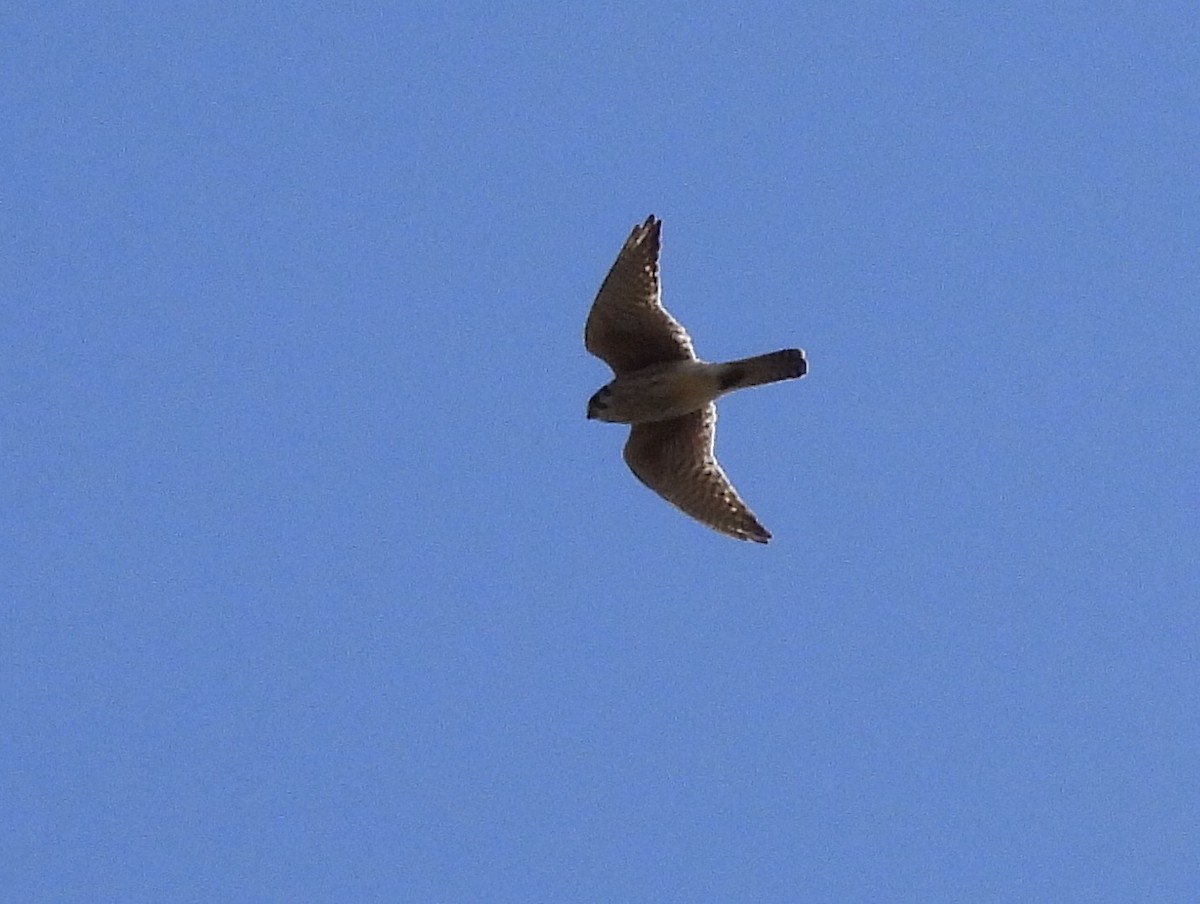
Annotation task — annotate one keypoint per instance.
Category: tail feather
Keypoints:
(787, 364)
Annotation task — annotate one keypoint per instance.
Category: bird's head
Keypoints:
(598, 404)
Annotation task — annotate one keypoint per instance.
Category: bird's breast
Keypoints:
(660, 393)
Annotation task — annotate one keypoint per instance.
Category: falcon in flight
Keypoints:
(666, 393)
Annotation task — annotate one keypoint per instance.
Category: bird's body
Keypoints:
(660, 392)
(667, 393)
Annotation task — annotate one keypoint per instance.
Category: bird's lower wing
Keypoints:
(675, 459)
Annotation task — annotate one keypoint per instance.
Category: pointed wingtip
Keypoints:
(651, 229)
(753, 531)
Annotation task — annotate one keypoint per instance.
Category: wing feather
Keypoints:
(675, 458)
(628, 327)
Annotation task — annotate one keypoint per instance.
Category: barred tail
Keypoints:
(787, 364)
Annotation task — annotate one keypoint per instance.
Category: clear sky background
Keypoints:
(318, 586)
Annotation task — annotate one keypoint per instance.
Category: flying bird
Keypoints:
(666, 393)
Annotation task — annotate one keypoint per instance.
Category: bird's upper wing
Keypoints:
(675, 459)
(628, 327)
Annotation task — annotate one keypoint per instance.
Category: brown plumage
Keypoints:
(666, 393)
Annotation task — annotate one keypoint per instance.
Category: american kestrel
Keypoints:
(666, 393)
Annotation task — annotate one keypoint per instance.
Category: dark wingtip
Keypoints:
(756, 532)
(648, 230)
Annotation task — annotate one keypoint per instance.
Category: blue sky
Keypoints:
(318, 586)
